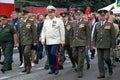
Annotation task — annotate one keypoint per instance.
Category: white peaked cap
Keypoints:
(51, 7)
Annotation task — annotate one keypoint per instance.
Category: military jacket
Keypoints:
(80, 35)
(68, 28)
(6, 33)
(53, 31)
(27, 32)
(104, 36)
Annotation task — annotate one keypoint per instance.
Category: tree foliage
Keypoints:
(94, 4)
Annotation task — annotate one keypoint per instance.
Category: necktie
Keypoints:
(64, 23)
(102, 23)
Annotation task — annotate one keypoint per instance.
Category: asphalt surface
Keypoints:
(68, 73)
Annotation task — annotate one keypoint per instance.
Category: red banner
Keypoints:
(6, 8)
(43, 10)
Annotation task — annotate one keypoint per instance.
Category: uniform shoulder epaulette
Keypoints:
(30, 19)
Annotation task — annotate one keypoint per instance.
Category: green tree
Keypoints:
(94, 4)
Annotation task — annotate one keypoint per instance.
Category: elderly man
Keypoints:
(53, 33)
(104, 40)
(8, 39)
(80, 39)
(68, 26)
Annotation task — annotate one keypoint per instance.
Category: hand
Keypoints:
(43, 43)
(62, 44)
(88, 46)
(16, 45)
(34, 44)
(92, 48)
(40, 38)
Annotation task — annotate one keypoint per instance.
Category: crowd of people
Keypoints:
(75, 34)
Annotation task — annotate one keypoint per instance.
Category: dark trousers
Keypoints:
(92, 53)
(53, 56)
(7, 48)
(26, 54)
(103, 55)
(0, 53)
(39, 49)
(62, 54)
(20, 53)
(79, 56)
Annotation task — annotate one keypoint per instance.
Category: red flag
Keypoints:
(6, 7)
(88, 10)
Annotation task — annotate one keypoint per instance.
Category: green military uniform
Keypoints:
(27, 36)
(80, 38)
(46, 66)
(6, 40)
(67, 46)
(103, 40)
(47, 61)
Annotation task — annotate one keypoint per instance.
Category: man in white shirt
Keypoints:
(53, 33)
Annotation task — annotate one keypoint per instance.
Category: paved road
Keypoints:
(38, 73)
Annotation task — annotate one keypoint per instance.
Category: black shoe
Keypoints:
(88, 66)
(60, 67)
(3, 71)
(56, 72)
(110, 72)
(20, 63)
(50, 72)
(46, 67)
(80, 75)
(105, 68)
(75, 69)
(73, 66)
(24, 70)
(36, 62)
(28, 71)
(92, 57)
(1, 63)
(12, 61)
(9, 69)
(64, 59)
(99, 77)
